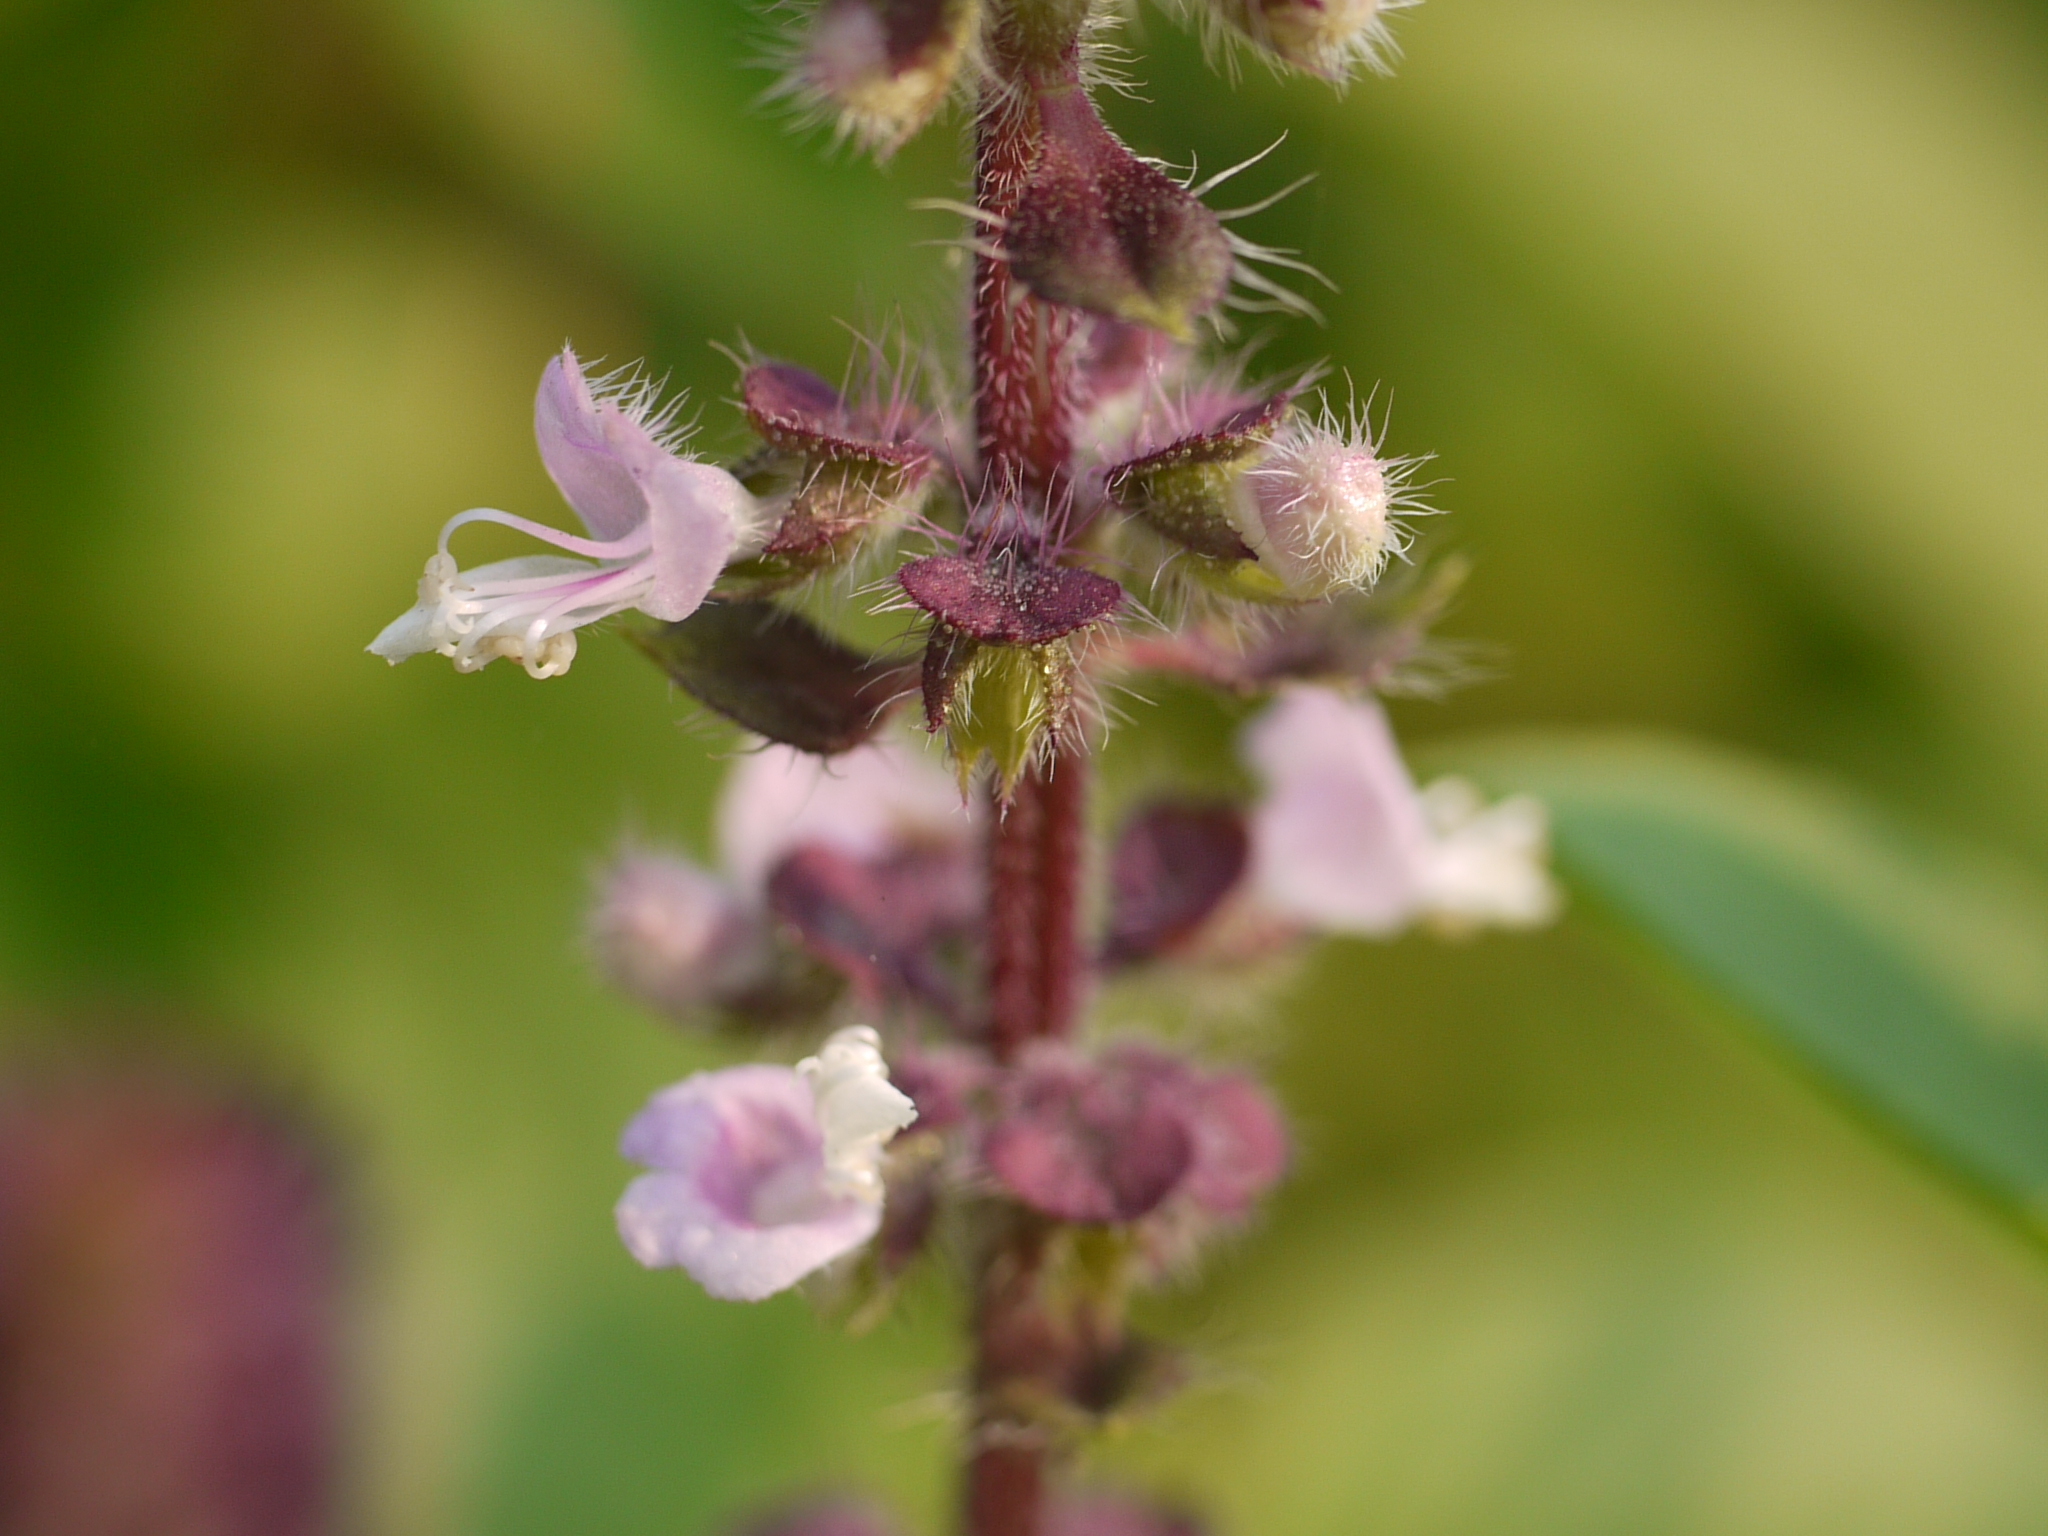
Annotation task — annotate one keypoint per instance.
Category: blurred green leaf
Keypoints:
(1910, 979)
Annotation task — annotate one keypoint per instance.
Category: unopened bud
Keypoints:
(1192, 490)
(675, 936)
(883, 67)
(1319, 513)
(1098, 228)
(1273, 508)
(1330, 38)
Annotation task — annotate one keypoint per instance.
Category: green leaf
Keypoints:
(1910, 978)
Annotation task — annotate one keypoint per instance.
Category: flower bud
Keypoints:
(1274, 508)
(883, 67)
(675, 936)
(1330, 38)
(1098, 228)
(1319, 513)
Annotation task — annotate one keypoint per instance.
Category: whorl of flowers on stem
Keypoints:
(959, 1105)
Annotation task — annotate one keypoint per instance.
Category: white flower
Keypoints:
(1486, 865)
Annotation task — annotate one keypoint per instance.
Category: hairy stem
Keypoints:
(1023, 349)
(1024, 353)
(1006, 1490)
(1034, 932)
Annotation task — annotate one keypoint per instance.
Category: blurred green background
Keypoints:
(1729, 327)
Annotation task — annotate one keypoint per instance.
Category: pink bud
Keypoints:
(1320, 514)
(675, 936)
(883, 67)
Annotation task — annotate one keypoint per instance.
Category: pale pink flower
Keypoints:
(1342, 840)
(763, 1174)
(662, 527)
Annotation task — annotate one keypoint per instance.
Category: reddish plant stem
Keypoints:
(1022, 348)
(1006, 1490)
(1035, 849)
(1006, 1474)
(1015, 846)
(1063, 797)
(1023, 403)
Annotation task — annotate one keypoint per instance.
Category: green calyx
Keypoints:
(1006, 701)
